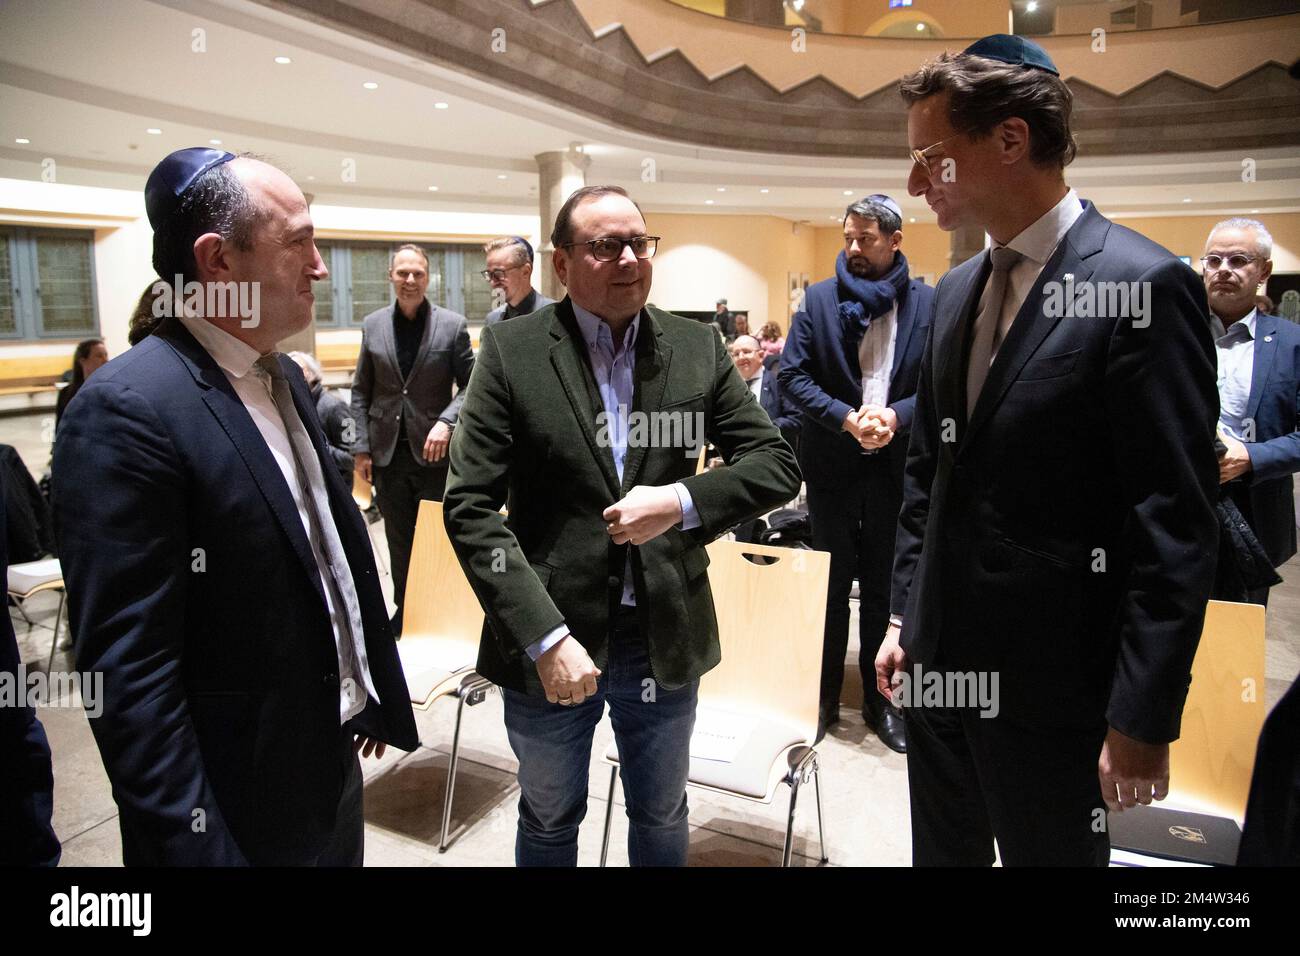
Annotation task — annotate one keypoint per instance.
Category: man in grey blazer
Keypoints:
(402, 403)
(510, 273)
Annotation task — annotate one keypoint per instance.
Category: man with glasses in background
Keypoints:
(850, 366)
(510, 273)
(586, 422)
(1259, 367)
(412, 354)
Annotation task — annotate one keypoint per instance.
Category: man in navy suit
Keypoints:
(850, 365)
(1058, 538)
(219, 575)
(760, 374)
(1259, 374)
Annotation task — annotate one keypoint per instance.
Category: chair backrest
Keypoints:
(770, 622)
(440, 606)
(1211, 762)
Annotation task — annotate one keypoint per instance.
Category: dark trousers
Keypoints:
(1034, 789)
(400, 486)
(856, 523)
(347, 843)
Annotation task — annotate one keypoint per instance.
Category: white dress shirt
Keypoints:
(1236, 354)
(756, 385)
(237, 360)
(1035, 243)
(876, 357)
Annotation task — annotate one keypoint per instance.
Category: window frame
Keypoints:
(25, 287)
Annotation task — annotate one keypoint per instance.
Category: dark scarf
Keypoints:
(862, 300)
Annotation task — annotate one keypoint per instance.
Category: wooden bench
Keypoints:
(32, 374)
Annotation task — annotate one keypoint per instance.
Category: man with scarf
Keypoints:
(850, 365)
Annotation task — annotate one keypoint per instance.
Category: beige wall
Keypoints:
(745, 259)
(1186, 235)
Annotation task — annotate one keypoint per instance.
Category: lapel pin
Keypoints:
(1268, 338)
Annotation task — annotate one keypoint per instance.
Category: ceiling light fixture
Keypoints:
(370, 85)
(708, 202)
(433, 189)
(722, 189)
(502, 176)
(283, 60)
(215, 142)
(22, 141)
(920, 28)
(765, 191)
(439, 106)
(154, 131)
(1031, 6)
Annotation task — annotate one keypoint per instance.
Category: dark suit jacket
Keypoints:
(529, 438)
(822, 377)
(192, 587)
(1265, 492)
(1066, 536)
(498, 315)
(27, 778)
(783, 413)
(380, 396)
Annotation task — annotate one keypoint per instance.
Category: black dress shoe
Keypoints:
(890, 729)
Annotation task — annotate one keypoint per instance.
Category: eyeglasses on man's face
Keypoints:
(610, 248)
(922, 156)
(499, 274)
(1235, 262)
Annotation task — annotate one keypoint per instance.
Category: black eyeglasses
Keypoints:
(609, 248)
(491, 274)
(1235, 262)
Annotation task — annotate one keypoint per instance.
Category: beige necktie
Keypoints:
(986, 324)
(307, 464)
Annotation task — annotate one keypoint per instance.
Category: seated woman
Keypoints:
(89, 355)
(771, 339)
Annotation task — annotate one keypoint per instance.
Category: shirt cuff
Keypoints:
(544, 644)
(690, 518)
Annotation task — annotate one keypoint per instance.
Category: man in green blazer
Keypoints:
(586, 419)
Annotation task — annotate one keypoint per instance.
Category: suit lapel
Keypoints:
(229, 411)
(426, 342)
(1265, 349)
(570, 362)
(950, 341)
(1032, 325)
(650, 378)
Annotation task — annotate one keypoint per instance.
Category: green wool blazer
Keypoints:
(530, 436)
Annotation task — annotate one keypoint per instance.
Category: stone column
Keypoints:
(966, 241)
(559, 174)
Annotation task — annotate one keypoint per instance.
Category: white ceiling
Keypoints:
(84, 80)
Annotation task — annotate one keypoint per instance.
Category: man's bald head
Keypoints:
(747, 354)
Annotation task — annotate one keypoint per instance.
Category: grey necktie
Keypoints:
(339, 578)
(986, 324)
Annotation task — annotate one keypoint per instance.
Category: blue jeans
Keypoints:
(652, 729)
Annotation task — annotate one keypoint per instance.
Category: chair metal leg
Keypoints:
(54, 641)
(609, 814)
(821, 830)
(471, 691)
(21, 610)
(788, 849)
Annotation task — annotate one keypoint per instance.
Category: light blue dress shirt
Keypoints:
(614, 368)
(1236, 354)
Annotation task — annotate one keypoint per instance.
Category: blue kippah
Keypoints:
(881, 199)
(175, 174)
(1014, 50)
(528, 246)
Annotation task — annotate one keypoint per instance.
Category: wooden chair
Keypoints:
(1211, 763)
(442, 623)
(32, 577)
(759, 706)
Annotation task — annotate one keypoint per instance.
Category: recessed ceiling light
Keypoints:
(1187, 199)
(283, 60)
(1031, 6)
(1254, 210)
(920, 28)
(22, 141)
(154, 131)
(433, 189)
(848, 192)
(311, 178)
(913, 219)
(708, 202)
(439, 106)
(215, 142)
(370, 85)
(722, 189)
(502, 176)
